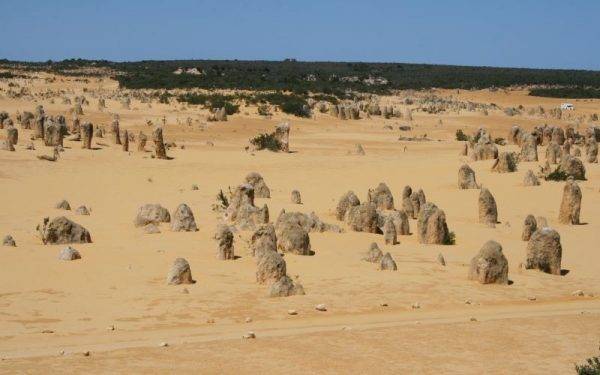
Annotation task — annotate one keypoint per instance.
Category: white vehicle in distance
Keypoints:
(567, 106)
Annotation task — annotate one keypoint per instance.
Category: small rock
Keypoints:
(249, 335)
(61, 352)
(210, 321)
(86, 353)
(416, 305)
(163, 344)
(69, 253)
(383, 304)
(151, 229)
(82, 210)
(63, 205)
(9, 241)
(578, 293)
(292, 312)
(531, 298)
(110, 327)
(195, 187)
(473, 319)
(321, 307)
(441, 260)
(47, 331)
(468, 302)
(248, 320)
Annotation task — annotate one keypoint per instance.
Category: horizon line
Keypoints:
(292, 59)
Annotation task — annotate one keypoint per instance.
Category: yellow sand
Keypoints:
(120, 280)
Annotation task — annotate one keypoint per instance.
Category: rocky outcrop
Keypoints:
(61, 230)
(544, 251)
(489, 266)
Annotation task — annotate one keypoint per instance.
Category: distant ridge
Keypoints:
(301, 76)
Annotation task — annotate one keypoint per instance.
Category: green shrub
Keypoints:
(221, 202)
(296, 108)
(557, 175)
(266, 141)
(211, 101)
(460, 136)
(293, 104)
(567, 92)
(263, 110)
(222, 199)
(164, 98)
(326, 98)
(450, 239)
(591, 367)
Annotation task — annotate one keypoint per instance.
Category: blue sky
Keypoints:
(526, 33)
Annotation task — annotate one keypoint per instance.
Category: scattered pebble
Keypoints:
(86, 353)
(210, 321)
(578, 293)
(531, 298)
(163, 344)
(321, 307)
(47, 331)
(473, 319)
(110, 327)
(248, 320)
(383, 304)
(61, 352)
(292, 312)
(249, 335)
(416, 305)
(468, 302)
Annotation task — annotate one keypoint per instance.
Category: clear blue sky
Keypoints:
(526, 33)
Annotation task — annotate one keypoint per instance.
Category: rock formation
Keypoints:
(261, 190)
(152, 214)
(61, 230)
(431, 225)
(544, 251)
(180, 273)
(489, 266)
(466, 178)
(570, 206)
(183, 219)
(224, 237)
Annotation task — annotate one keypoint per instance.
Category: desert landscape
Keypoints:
(146, 234)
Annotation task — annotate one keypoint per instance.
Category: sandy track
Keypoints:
(326, 322)
(529, 339)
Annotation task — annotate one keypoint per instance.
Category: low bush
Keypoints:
(263, 110)
(590, 367)
(450, 239)
(266, 141)
(460, 136)
(557, 175)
